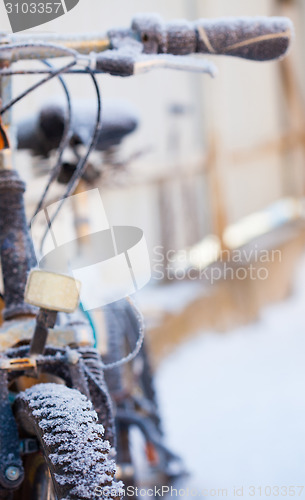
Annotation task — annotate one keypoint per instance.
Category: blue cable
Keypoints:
(91, 323)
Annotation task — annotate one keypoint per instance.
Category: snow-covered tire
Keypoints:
(71, 441)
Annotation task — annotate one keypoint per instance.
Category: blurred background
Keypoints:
(216, 181)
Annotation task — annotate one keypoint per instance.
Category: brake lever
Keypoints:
(130, 60)
(145, 63)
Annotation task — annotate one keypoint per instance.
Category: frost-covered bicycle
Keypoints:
(57, 437)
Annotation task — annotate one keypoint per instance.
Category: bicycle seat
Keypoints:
(42, 132)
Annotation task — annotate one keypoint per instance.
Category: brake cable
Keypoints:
(66, 51)
(81, 166)
(63, 144)
(58, 71)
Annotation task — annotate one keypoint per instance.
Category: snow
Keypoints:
(171, 297)
(67, 418)
(234, 403)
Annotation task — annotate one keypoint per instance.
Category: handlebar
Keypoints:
(150, 43)
(83, 43)
(258, 39)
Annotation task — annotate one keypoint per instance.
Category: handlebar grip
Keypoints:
(256, 38)
(259, 39)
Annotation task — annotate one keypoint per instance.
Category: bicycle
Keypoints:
(40, 382)
(131, 388)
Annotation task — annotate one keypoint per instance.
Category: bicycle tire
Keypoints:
(122, 333)
(63, 421)
(146, 378)
(122, 320)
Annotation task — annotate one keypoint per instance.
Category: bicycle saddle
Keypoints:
(42, 132)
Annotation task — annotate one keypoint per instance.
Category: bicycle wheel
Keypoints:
(135, 378)
(74, 452)
(131, 387)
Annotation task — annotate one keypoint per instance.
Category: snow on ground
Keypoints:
(234, 405)
(170, 297)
